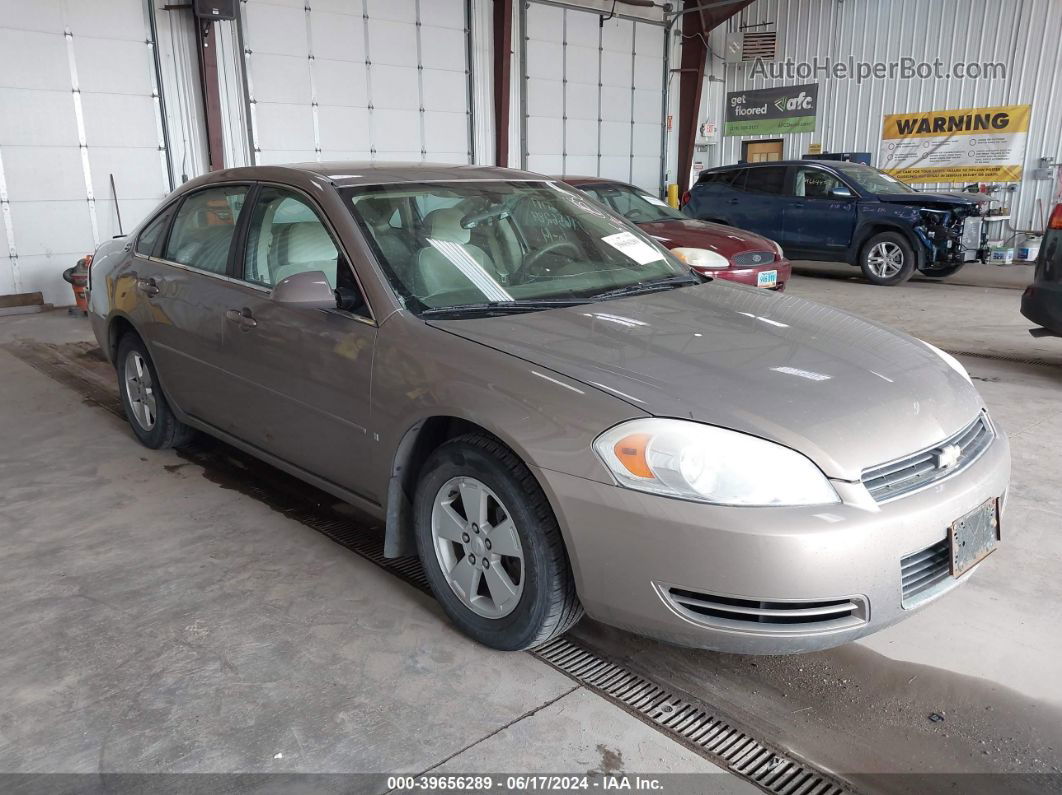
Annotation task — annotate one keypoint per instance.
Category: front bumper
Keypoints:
(748, 275)
(629, 551)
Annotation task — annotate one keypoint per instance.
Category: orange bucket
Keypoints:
(77, 278)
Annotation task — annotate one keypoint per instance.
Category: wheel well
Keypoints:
(413, 450)
(877, 229)
(119, 328)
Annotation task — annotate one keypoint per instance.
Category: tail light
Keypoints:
(1056, 218)
(686, 199)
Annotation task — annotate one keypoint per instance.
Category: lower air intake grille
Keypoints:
(951, 456)
(768, 617)
(922, 572)
(753, 258)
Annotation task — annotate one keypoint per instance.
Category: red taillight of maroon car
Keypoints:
(1056, 218)
(685, 199)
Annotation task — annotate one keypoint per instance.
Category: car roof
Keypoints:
(344, 173)
(762, 164)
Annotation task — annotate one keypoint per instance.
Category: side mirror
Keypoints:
(840, 192)
(309, 289)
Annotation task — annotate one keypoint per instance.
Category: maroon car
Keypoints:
(714, 249)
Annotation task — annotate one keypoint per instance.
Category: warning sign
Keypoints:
(956, 145)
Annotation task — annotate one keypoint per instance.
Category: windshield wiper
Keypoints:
(669, 283)
(502, 307)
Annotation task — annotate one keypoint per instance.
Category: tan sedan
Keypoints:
(551, 410)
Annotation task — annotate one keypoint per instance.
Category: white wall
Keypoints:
(77, 104)
(1023, 34)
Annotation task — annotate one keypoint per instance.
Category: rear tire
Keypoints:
(497, 565)
(150, 416)
(887, 259)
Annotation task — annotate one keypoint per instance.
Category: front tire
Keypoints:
(887, 259)
(491, 547)
(150, 416)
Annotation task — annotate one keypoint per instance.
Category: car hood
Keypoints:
(847, 393)
(972, 201)
(726, 240)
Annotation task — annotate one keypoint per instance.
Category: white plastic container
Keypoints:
(1029, 249)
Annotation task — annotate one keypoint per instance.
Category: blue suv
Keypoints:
(848, 212)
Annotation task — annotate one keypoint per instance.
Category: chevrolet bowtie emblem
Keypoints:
(948, 456)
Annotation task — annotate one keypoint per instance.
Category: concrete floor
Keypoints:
(156, 621)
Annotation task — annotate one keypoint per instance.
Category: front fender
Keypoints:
(421, 372)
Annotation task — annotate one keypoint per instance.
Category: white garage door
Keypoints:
(358, 79)
(77, 104)
(592, 95)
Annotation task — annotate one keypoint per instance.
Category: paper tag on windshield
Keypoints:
(638, 250)
(654, 200)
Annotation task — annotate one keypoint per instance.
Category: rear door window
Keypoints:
(204, 227)
(814, 183)
(765, 180)
(147, 244)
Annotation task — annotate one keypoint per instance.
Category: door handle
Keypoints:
(734, 201)
(243, 317)
(149, 287)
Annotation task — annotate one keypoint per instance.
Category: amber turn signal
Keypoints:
(630, 451)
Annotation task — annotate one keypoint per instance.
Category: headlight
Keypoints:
(708, 464)
(701, 258)
(778, 249)
(950, 360)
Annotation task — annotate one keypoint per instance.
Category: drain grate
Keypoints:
(1004, 357)
(696, 725)
(693, 723)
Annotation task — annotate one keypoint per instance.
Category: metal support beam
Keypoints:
(503, 37)
(697, 23)
(691, 83)
(211, 90)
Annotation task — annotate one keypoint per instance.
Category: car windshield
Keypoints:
(520, 245)
(871, 180)
(635, 205)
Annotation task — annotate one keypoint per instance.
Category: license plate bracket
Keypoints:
(973, 537)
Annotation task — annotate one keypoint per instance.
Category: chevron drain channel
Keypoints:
(694, 724)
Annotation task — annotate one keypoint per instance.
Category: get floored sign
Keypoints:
(956, 145)
(772, 111)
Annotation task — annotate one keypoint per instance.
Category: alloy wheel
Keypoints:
(885, 260)
(140, 391)
(478, 547)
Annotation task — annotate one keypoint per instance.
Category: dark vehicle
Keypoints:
(844, 212)
(713, 249)
(1042, 300)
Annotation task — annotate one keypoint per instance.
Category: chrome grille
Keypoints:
(768, 616)
(888, 481)
(922, 572)
(747, 258)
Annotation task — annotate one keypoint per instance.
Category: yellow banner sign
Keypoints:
(968, 145)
